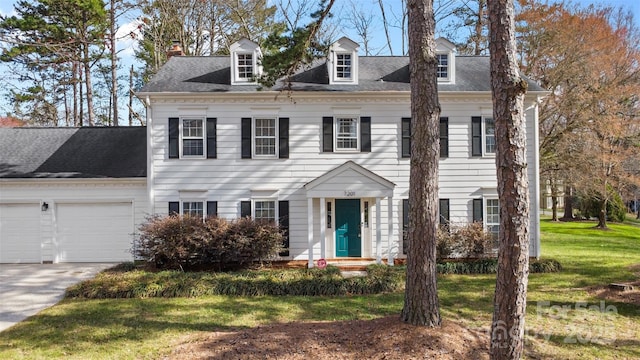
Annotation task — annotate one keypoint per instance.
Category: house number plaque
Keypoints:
(349, 193)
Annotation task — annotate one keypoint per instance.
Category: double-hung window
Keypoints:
(443, 66)
(492, 221)
(346, 134)
(192, 137)
(489, 136)
(265, 138)
(343, 66)
(483, 136)
(265, 210)
(193, 208)
(245, 66)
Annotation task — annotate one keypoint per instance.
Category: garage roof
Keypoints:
(85, 152)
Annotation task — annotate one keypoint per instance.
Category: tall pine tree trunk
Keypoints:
(421, 305)
(508, 90)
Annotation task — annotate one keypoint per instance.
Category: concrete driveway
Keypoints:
(25, 289)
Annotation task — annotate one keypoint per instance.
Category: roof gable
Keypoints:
(349, 180)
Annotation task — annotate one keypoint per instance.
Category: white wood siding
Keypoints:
(230, 179)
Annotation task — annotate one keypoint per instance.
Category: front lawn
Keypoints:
(557, 326)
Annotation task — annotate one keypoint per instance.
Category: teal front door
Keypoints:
(348, 242)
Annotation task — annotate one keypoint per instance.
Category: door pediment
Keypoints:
(349, 180)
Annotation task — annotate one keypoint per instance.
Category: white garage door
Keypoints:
(99, 232)
(20, 233)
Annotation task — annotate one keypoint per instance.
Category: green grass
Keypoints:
(150, 328)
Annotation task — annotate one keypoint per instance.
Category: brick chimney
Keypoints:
(175, 50)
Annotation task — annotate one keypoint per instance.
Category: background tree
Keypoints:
(202, 27)
(508, 89)
(588, 59)
(421, 304)
(55, 44)
(468, 26)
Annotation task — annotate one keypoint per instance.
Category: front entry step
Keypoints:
(351, 264)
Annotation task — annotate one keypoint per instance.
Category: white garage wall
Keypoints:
(84, 192)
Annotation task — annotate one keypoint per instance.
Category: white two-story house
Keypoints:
(329, 159)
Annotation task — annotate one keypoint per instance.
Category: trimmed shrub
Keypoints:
(186, 242)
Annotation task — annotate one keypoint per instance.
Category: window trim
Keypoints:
(182, 138)
(336, 127)
(276, 137)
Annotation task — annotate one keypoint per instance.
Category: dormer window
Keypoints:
(343, 66)
(342, 63)
(443, 66)
(245, 58)
(245, 66)
(446, 56)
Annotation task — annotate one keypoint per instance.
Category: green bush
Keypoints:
(490, 266)
(122, 282)
(616, 209)
(186, 242)
(298, 282)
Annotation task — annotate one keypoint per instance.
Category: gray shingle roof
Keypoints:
(87, 152)
(377, 73)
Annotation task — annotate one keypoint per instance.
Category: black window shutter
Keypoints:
(174, 208)
(444, 137)
(246, 138)
(283, 221)
(477, 210)
(212, 146)
(444, 211)
(365, 134)
(476, 136)
(212, 208)
(245, 208)
(327, 134)
(406, 137)
(405, 225)
(283, 141)
(174, 136)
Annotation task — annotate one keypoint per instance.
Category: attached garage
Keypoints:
(71, 194)
(20, 239)
(94, 232)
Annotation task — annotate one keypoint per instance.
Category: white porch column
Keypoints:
(310, 229)
(323, 228)
(378, 232)
(390, 226)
